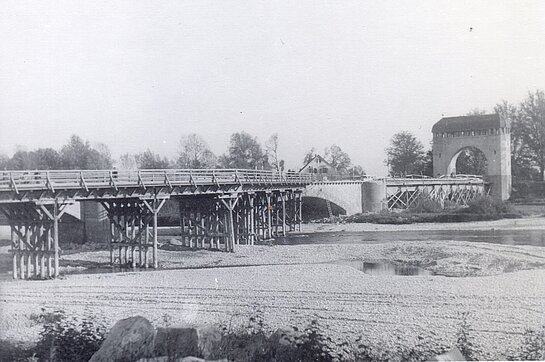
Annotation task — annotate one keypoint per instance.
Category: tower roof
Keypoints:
(469, 123)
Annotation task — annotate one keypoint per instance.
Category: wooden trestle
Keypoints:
(219, 209)
(130, 236)
(217, 221)
(221, 222)
(34, 238)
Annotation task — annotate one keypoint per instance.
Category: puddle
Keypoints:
(384, 268)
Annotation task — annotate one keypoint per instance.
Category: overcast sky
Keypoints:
(139, 74)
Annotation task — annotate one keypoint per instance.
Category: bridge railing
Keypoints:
(73, 179)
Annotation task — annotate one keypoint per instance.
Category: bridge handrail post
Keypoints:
(48, 183)
(12, 182)
(167, 181)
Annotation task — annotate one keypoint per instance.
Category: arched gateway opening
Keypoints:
(475, 139)
(469, 161)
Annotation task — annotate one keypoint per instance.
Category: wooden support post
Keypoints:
(14, 248)
(56, 242)
(146, 263)
(140, 229)
(27, 253)
(55, 216)
(300, 207)
(49, 248)
(269, 217)
(21, 255)
(252, 220)
(43, 248)
(154, 208)
(155, 239)
(283, 195)
(230, 203)
(112, 239)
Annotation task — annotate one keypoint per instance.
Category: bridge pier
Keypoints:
(34, 238)
(204, 223)
(130, 221)
(224, 221)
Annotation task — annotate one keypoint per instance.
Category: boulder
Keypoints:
(176, 342)
(452, 355)
(129, 340)
(180, 342)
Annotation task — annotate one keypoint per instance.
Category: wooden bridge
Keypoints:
(402, 193)
(218, 209)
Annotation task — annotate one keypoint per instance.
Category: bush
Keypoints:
(253, 343)
(63, 339)
(465, 341)
(423, 204)
(14, 353)
(488, 205)
(533, 346)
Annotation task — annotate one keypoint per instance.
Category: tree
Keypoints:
(471, 161)
(532, 125)
(356, 171)
(522, 161)
(405, 155)
(427, 164)
(150, 160)
(40, 159)
(476, 112)
(338, 159)
(309, 155)
(4, 160)
(20, 160)
(195, 153)
(127, 162)
(271, 147)
(45, 159)
(245, 152)
(77, 154)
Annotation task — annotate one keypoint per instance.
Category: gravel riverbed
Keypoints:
(501, 287)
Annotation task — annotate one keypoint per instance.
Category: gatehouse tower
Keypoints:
(490, 133)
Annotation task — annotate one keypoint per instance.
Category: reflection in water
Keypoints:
(384, 268)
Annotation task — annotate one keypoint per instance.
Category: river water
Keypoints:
(505, 237)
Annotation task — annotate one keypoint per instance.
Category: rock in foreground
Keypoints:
(129, 340)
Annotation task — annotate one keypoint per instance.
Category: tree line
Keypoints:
(407, 155)
(244, 152)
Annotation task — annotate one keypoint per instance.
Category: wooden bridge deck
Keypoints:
(25, 186)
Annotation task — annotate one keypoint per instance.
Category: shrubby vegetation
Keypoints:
(71, 339)
(424, 209)
(62, 339)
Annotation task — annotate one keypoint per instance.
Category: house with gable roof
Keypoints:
(320, 168)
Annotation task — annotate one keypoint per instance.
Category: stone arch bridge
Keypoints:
(374, 195)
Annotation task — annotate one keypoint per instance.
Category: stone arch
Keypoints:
(346, 194)
(316, 207)
(488, 133)
(452, 164)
